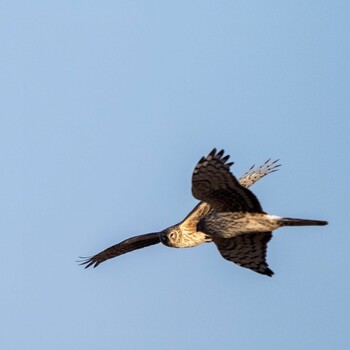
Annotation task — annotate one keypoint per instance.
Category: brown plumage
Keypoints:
(229, 215)
(184, 234)
(236, 223)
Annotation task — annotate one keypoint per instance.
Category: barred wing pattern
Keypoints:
(142, 241)
(255, 174)
(212, 182)
(248, 250)
(250, 177)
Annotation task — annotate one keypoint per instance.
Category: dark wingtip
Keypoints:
(226, 158)
(213, 152)
(269, 273)
(220, 154)
(88, 261)
(276, 166)
(82, 260)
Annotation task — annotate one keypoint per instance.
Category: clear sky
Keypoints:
(105, 108)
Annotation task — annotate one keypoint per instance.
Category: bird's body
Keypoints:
(228, 225)
(229, 215)
(184, 234)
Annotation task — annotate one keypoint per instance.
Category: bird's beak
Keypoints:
(164, 238)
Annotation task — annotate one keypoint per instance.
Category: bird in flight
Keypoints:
(229, 215)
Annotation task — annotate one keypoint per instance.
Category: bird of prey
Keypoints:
(184, 234)
(236, 222)
(229, 215)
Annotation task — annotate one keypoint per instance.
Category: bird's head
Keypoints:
(169, 236)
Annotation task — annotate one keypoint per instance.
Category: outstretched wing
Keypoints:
(248, 179)
(212, 182)
(255, 174)
(123, 247)
(248, 250)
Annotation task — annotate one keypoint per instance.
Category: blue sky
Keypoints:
(105, 109)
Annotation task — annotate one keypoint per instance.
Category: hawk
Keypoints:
(229, 215)
(184, 234)
(236, 222)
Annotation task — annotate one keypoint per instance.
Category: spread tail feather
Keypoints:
(302, 222)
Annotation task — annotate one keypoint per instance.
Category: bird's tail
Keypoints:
(301, 222)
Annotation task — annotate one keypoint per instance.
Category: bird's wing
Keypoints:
(212, 182)
(248, 179)
(123, 247)
(254, 174)
(190, 222)
(248, 250)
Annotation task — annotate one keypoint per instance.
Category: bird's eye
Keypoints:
(173, 236)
